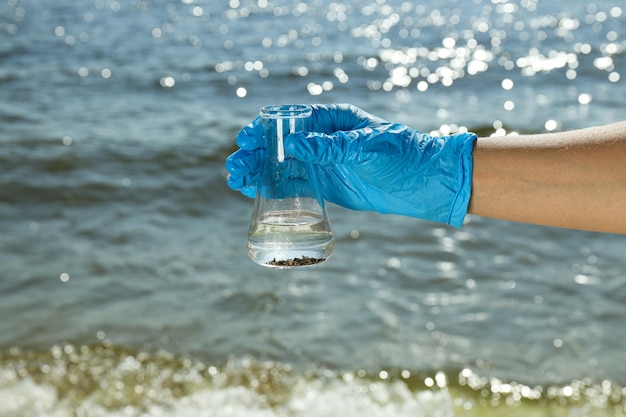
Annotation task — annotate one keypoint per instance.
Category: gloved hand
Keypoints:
(367, 163)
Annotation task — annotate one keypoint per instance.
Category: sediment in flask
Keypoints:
(302, 261)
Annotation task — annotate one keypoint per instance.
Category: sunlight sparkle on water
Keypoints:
(417, 49)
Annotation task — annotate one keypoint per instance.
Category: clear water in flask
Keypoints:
(290, 238)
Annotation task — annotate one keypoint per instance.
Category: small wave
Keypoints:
(42, 171)
(99, 380)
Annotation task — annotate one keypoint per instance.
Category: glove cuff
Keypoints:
(462, 146)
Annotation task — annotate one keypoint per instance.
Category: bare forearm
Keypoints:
(573, 179)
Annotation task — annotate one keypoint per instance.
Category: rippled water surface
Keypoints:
(125, 286)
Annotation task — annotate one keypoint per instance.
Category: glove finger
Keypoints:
(246, 185)
(251, 136)
(243, 162)
(323, 149)
(238, 182)
(244, 168)
(343, 186)
(249, 191)
(331, 118)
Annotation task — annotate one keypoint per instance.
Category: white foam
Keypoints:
(308, 398)
(372, 400)
(140, 387)
(24, 397)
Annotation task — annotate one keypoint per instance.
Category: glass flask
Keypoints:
(289, 226)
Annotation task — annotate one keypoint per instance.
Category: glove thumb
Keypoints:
(322, 149)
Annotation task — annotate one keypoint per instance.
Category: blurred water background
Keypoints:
(125, 289)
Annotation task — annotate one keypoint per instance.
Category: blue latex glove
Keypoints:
(367, 163)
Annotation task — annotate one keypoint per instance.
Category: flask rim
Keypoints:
(285, 111)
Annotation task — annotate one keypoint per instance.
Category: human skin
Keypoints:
(573, 179)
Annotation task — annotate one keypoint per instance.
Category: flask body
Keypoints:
(289, 225)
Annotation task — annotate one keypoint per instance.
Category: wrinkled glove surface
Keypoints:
(366, 163)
